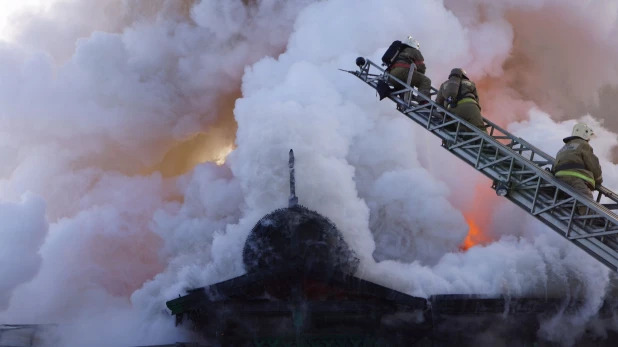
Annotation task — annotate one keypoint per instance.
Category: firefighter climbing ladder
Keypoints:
(519, 171)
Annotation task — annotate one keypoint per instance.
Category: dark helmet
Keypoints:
(461, 73)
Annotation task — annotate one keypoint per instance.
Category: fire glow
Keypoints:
(478, 218)
(220, 157)
(475, 235)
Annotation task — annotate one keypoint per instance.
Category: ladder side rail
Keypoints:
(489, 124)
(538, 204)
(439, 108)
(601, 212)
(428, 108)
(533, 172)
(552, 213)
(550, 216)
(593, 246)
(602, 191)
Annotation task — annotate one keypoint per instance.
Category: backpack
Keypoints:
(392, 52)
(452, 90)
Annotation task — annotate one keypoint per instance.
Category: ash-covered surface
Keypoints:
(300, 238)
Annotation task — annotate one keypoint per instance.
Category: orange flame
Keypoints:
(475, 235)
(478, 217)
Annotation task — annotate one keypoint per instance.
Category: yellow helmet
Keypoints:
(582, 130)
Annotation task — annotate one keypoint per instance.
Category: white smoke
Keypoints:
(561, 54)
(23, 231)
(80, 119)
(94, 101)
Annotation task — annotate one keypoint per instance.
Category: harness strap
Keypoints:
(463, 101)
(570, 166)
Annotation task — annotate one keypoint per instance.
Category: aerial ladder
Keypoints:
(519, 171)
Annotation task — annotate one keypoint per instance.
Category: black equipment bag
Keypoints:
(392, 52)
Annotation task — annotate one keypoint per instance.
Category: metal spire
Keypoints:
(293, 199)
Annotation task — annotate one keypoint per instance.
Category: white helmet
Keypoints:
(582, 130)
(410, 41)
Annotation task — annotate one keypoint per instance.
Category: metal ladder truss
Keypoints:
(519, 171)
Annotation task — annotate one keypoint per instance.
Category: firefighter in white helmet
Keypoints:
(410, 56)
(577, 165)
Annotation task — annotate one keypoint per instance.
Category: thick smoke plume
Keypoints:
(23, 231)
(107, 118)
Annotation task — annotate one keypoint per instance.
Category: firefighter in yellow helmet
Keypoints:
(459, 96)
(577, 165)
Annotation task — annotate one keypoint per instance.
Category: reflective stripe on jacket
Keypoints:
(576, 174)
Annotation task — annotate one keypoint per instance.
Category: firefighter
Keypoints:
(459, 96)
(577, 165)
(408, 58)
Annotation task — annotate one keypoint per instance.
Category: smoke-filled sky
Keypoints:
(114, 111)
